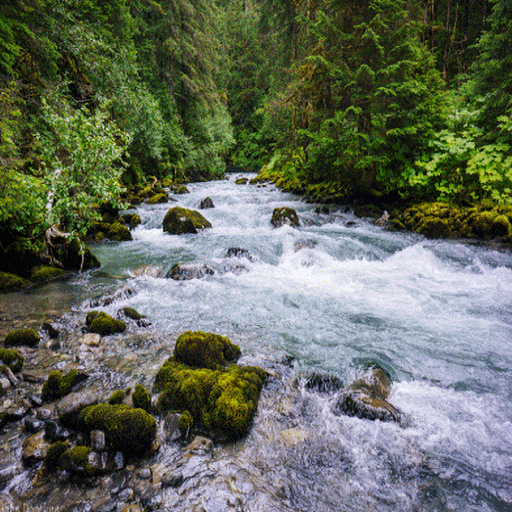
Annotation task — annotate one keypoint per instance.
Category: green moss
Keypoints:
(182, 220)
(57, 385)
(133, 314)
(116, 397)
(131, 219)
(126, 429)
(241, 181)
(205, 350)
(501, 226)
(119, 233)
(76, 460)
(11, 358)
(482, 224)
(141, 397)
(45, 273)
(185, 423)
(101, 323)
(180, 189)
(53, 457)
(159, 199)
(18, 337)
(281, 216)
(11, 282)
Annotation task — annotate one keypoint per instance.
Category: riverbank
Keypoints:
(485, 223)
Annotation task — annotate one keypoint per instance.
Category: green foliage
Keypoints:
(126, 429)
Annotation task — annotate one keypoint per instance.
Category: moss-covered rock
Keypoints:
(141, 397)
(76, 461)
(180, 189)
(74, 255)
(179, 220)
(206, 203)
(158, 199)
(132, 313)
(101, 323)
(45, 273)
(131, 219)
(56, 451)
(501, 226)
(11, 358)
(18, 337)
(221, 400)
(58, 385)
(116, 397)
(205, 350)
(282, 216)
(188, 271)
(119, 233)
(126, 429)
(10, 282)
(241, 181)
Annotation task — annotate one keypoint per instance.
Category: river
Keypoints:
(437, 315)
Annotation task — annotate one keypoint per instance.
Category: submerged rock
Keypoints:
(206, 203)
(148, 270)
(366, 397)
(304, 244)
(323, 383)
(282, 216)
(179, 220)
(239, 252)
(187, 271)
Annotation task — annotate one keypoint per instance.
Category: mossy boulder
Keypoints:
(101, 323)
(126, 429)
(11, 358)
(205, 350)
(179, 220)
(158, 199)
(74, 255)
(185, 423)
(10, 282)
(119, 233)
(116, 397)
(141, 397)
(45, 273)
(56, 451)
(132, 313)
(501, 226)
(180, 189)
(282, 216)
(131, 219)
(76, 460)
(18, 337)
(58, 385)
(221, 400)
(241, 181)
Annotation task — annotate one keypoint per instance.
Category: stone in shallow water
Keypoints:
(187, 271)
(200, 446)
(35, 448)
(294, 436)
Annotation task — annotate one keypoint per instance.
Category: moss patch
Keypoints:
(126, 429)
(58, 385)
(101, 323)
(141, 397)
(27, 337)
(45, 273)
(159, 199)
(282, 216)
(205, 350)
(116, 397)
(11, 358)
(11, 282)
(119, 233)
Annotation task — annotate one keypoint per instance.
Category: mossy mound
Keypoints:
(101, 323)
(76, 460)
(44, 273)
(179, 220)
(141, 397)
(131, 219)
(241, 181)
(73, 255)
(18, 337)
(221, 400)
(443, 220)
(180, 189)
(11, 358)
(58, 385)
(282, 216)
(158, 199)
(119, 233)
(205, 350)
(132, 313)
(126, 429)
(10, 282)
(326, 193)
(52, 459)
(185, 423)
(116, 397)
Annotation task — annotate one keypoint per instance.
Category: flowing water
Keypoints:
(437, 315)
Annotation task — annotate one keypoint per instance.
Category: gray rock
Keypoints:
(71, 405)
(54, 432)
(383, 221)
(98, 442)
(91, 340)
(282, 216)
(200, 445)
(144, 473)
(44, 413)
(171, 427)
(33, 425)
(187, 271)
(206, 203)
(304, 244)
(239, 252)
(126, 495)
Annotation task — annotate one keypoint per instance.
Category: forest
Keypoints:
(407, 100)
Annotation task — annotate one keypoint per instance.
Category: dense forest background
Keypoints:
(408, 99)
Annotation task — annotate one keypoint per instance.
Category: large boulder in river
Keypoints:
(366, 397)
(285, 215)
(187, 271)
(179, 220)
